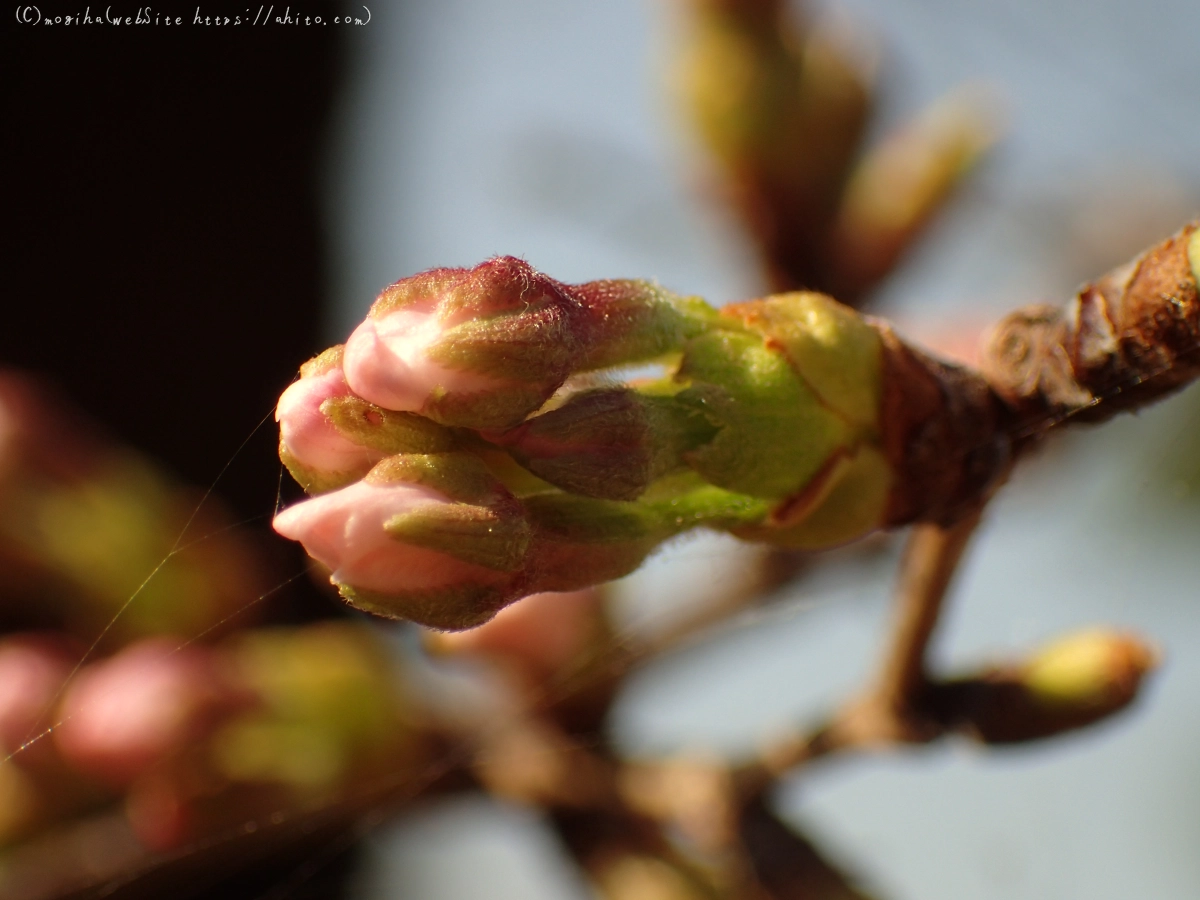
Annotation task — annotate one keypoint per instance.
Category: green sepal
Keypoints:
(853, 507)
(584, 520)
(453, 608)
(608, 443)
(323, 361)
(629, 321)
(428, 286)
(561, 565)
(837, 353)
(773, 434)
(683, 502)
(673, 505)
(459, 476)
(475, 534)
(580, 542)
(533, 346)
(386, 430)
(504, 407)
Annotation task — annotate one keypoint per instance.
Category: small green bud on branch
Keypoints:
(1074, 682)
(782, 108)
(901, 184)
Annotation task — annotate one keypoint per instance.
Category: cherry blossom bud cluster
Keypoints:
(465, 447)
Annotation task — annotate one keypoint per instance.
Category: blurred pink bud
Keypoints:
(961, 341)
(346, 531)
(33, 668)
(308, 438)
(159, 812)
(128, 712)
(8, 436)
(544, 631)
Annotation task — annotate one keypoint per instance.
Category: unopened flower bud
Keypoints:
(542, 634)
(1075, 681)
(1094, 670)
(146, 703)
(482, 347)
(770, 425)
(608, 443)
(33, 668)
(485, 347)
(316, 452)
(433, 538)
(903, 182)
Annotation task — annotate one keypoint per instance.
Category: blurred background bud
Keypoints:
(33, 669)
(1073, 682)
(136, 709)
(543, 634)
(902, 183)
(1100, 669)
(88, 529)
(781, 101)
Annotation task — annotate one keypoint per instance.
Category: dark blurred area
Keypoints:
(167, 268)
(167, 261)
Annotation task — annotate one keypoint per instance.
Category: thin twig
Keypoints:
(890, 711)
(929, 563)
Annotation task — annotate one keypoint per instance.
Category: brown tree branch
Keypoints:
(787, 865)
(1125, 341)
